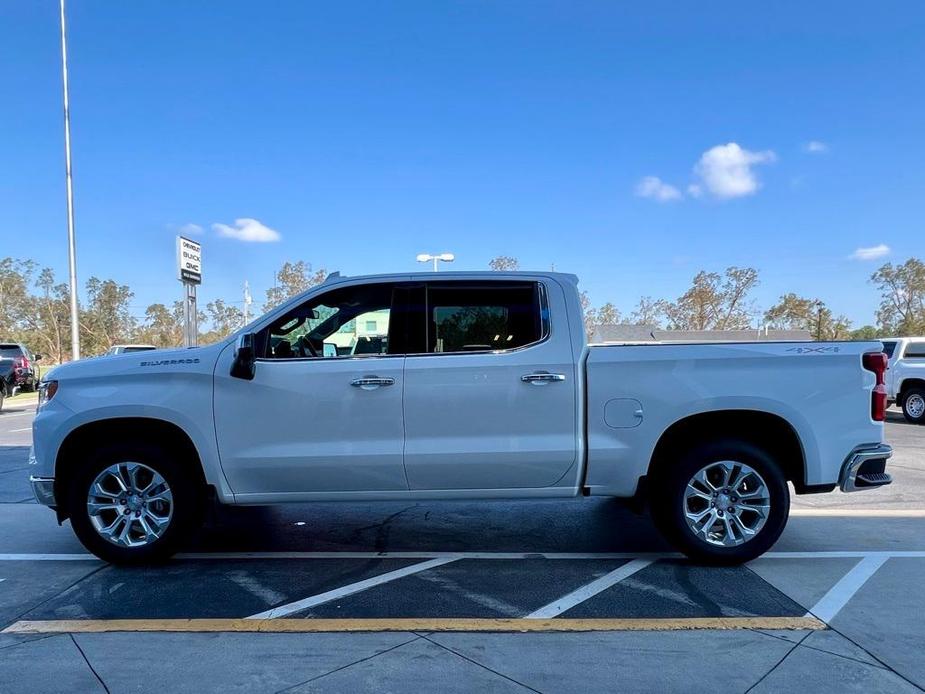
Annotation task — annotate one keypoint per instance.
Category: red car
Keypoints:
(25, 375)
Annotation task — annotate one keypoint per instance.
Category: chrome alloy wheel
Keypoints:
(726, 503)
(915, 406)
(130, 505)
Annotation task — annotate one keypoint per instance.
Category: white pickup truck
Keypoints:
(485, 388)
(905, 376)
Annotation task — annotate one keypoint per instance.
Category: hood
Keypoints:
(134, 363)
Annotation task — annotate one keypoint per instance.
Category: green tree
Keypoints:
(504, 263)
(714, 301)
(291, 280)
(48, 318)
(866, 332)
(15, 279)
(106, 320)
(225, 320)
(793, 312)
(648, 311)
(902, 298)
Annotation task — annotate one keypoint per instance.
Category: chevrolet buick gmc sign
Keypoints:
(189, 260)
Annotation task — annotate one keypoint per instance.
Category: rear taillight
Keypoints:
(877, 362)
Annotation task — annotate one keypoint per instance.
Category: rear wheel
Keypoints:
(133, 503)
(721, 503)
(914, 405)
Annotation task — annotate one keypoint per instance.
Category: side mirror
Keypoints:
(245, 364)
(36, 357)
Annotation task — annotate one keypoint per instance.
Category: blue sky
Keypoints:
(366, 133)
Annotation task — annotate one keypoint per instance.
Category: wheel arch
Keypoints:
(770, 431)
(122, 428)
(906, 384)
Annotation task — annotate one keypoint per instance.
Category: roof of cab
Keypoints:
(336, 277)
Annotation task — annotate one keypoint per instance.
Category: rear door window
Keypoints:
(474, 317)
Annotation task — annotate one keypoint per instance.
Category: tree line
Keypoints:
(34, 308)
(722, 301)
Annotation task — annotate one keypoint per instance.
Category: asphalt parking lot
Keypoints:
(460, 596)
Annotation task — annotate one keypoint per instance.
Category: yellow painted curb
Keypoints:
(356, 625)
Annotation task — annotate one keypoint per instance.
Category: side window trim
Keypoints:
(544, 323)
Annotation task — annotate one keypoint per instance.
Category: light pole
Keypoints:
(427, 257)
(71, 243)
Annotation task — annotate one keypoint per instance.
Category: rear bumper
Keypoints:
(865, 468)
(43, 488)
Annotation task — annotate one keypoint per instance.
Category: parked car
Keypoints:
(486, 388)
(905, 376)
(26, 374)
(6, 379)
(124, 349)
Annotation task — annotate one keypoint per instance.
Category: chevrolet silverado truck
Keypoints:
(486, 388)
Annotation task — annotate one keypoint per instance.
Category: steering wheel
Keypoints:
(306, 344)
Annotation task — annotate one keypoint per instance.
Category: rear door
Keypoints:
(492, 404)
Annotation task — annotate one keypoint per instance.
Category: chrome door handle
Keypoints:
(372, 382)
(541, 379)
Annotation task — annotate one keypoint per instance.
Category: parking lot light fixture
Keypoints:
(442, 257)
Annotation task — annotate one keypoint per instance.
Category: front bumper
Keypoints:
(865, 468)
(44, 490)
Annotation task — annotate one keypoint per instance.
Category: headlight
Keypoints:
(47, 390)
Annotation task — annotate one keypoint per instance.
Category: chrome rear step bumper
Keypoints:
(865, 468)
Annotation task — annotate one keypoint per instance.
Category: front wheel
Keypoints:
(914, 406)
(721, 503)
(133, 503)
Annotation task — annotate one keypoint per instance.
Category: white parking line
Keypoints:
(839, 594)
(848, 554)
(858, 512)
(343, 591)
(576, 597)
(14, 431)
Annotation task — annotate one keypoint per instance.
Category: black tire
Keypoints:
(667, 492)
(911, 399)
(188, 500)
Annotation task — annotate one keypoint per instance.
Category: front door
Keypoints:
(324, 410)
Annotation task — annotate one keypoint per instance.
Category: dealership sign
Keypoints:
(189, 260)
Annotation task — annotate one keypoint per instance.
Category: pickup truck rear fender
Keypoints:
(768, 431)
(619, 458)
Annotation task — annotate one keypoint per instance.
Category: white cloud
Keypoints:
(694, 190)
(726, 170)
(656, 189)
(815, 147)
(190, 229)
(871, 253)
(246, 229)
